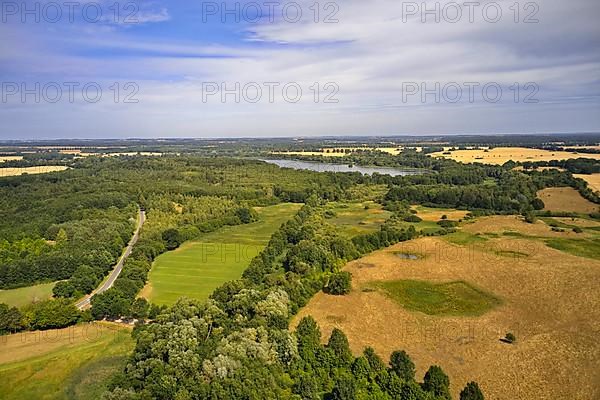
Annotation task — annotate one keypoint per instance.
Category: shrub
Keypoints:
(412, 218)
(340, 283)
(577, 230)
(510, 338)
(471, 392)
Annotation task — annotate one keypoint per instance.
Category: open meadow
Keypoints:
(198, 267)
(500, 155)
(593, 180)
(26, 295)
(70, 364)
(449, 300)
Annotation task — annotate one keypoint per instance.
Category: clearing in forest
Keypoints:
(72, 363)
(26, 295)
(352, 219)
(547, 297)
(198, 267)
(566, 199)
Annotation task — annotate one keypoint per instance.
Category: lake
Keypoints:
(328, 167)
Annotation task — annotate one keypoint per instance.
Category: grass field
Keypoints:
(449, 298)
(593, 180)
(198, 267)
(550, 301)
(71, 364)
(30, 170)
(23, 296)
(357, 218)
(566, 199)
(340, 151)
(500, 155)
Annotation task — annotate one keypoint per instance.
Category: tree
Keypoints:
(306, 387)
(139, 308)
(375, 362)
(10, 319)
(402, 365)
(64, 289)
(437, 382)
(510, 338)
(471, 392)
(345, 388)
(340, 283)
(339, 346)
(172, 238)
(52, 314)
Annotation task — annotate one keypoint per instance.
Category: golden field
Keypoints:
(500, 155)
(31, 170)
(549, 300)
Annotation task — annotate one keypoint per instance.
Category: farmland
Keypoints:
(72, 363)
(514, 278)
(593, 180)
(198, 267)
(500, 155)
(23, 296)
(566, 199)
(30, 170)
(357, 218)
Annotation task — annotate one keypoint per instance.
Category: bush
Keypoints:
(577, 230)
(471, 392)
(412, 218)
(446, 223)
(340, 283)
(510, 338)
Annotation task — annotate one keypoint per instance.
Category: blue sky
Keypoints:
(362, 67)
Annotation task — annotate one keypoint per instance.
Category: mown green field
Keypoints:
(26, 295)
(198, 267)
(75, 363)
(451, 298)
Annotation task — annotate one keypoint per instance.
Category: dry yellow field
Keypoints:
(566, 199)
(436, 214)
(10, 158)
(593, 180)
(550, 301)
(500, 155)
(30, 170)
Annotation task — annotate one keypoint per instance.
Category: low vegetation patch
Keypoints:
(577, 247)
(442, 299)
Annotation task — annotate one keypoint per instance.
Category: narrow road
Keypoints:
(85, 302)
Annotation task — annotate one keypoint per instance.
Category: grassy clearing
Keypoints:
(566, 199)
(442, 299)
(26, 295)
(465, 238)
(71, 363)
(589, 248)
(354, 219)
(197, 268)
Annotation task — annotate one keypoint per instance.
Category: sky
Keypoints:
(109, 69)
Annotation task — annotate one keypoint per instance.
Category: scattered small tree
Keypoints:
(402, 365)
(437, 382)
(471, 392)
(510, 338)
(340, 283)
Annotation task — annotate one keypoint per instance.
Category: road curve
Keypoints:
(107, 284)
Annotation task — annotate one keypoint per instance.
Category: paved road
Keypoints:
(85, 302)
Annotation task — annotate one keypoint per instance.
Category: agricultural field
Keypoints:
(26, 295)
(593, 180)
(10, 158)
(500, 155)
(198, 267)
(352, 219)
(342, 151)
(566, 199)
(71, 363)
(44, 169)
(450, 300)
